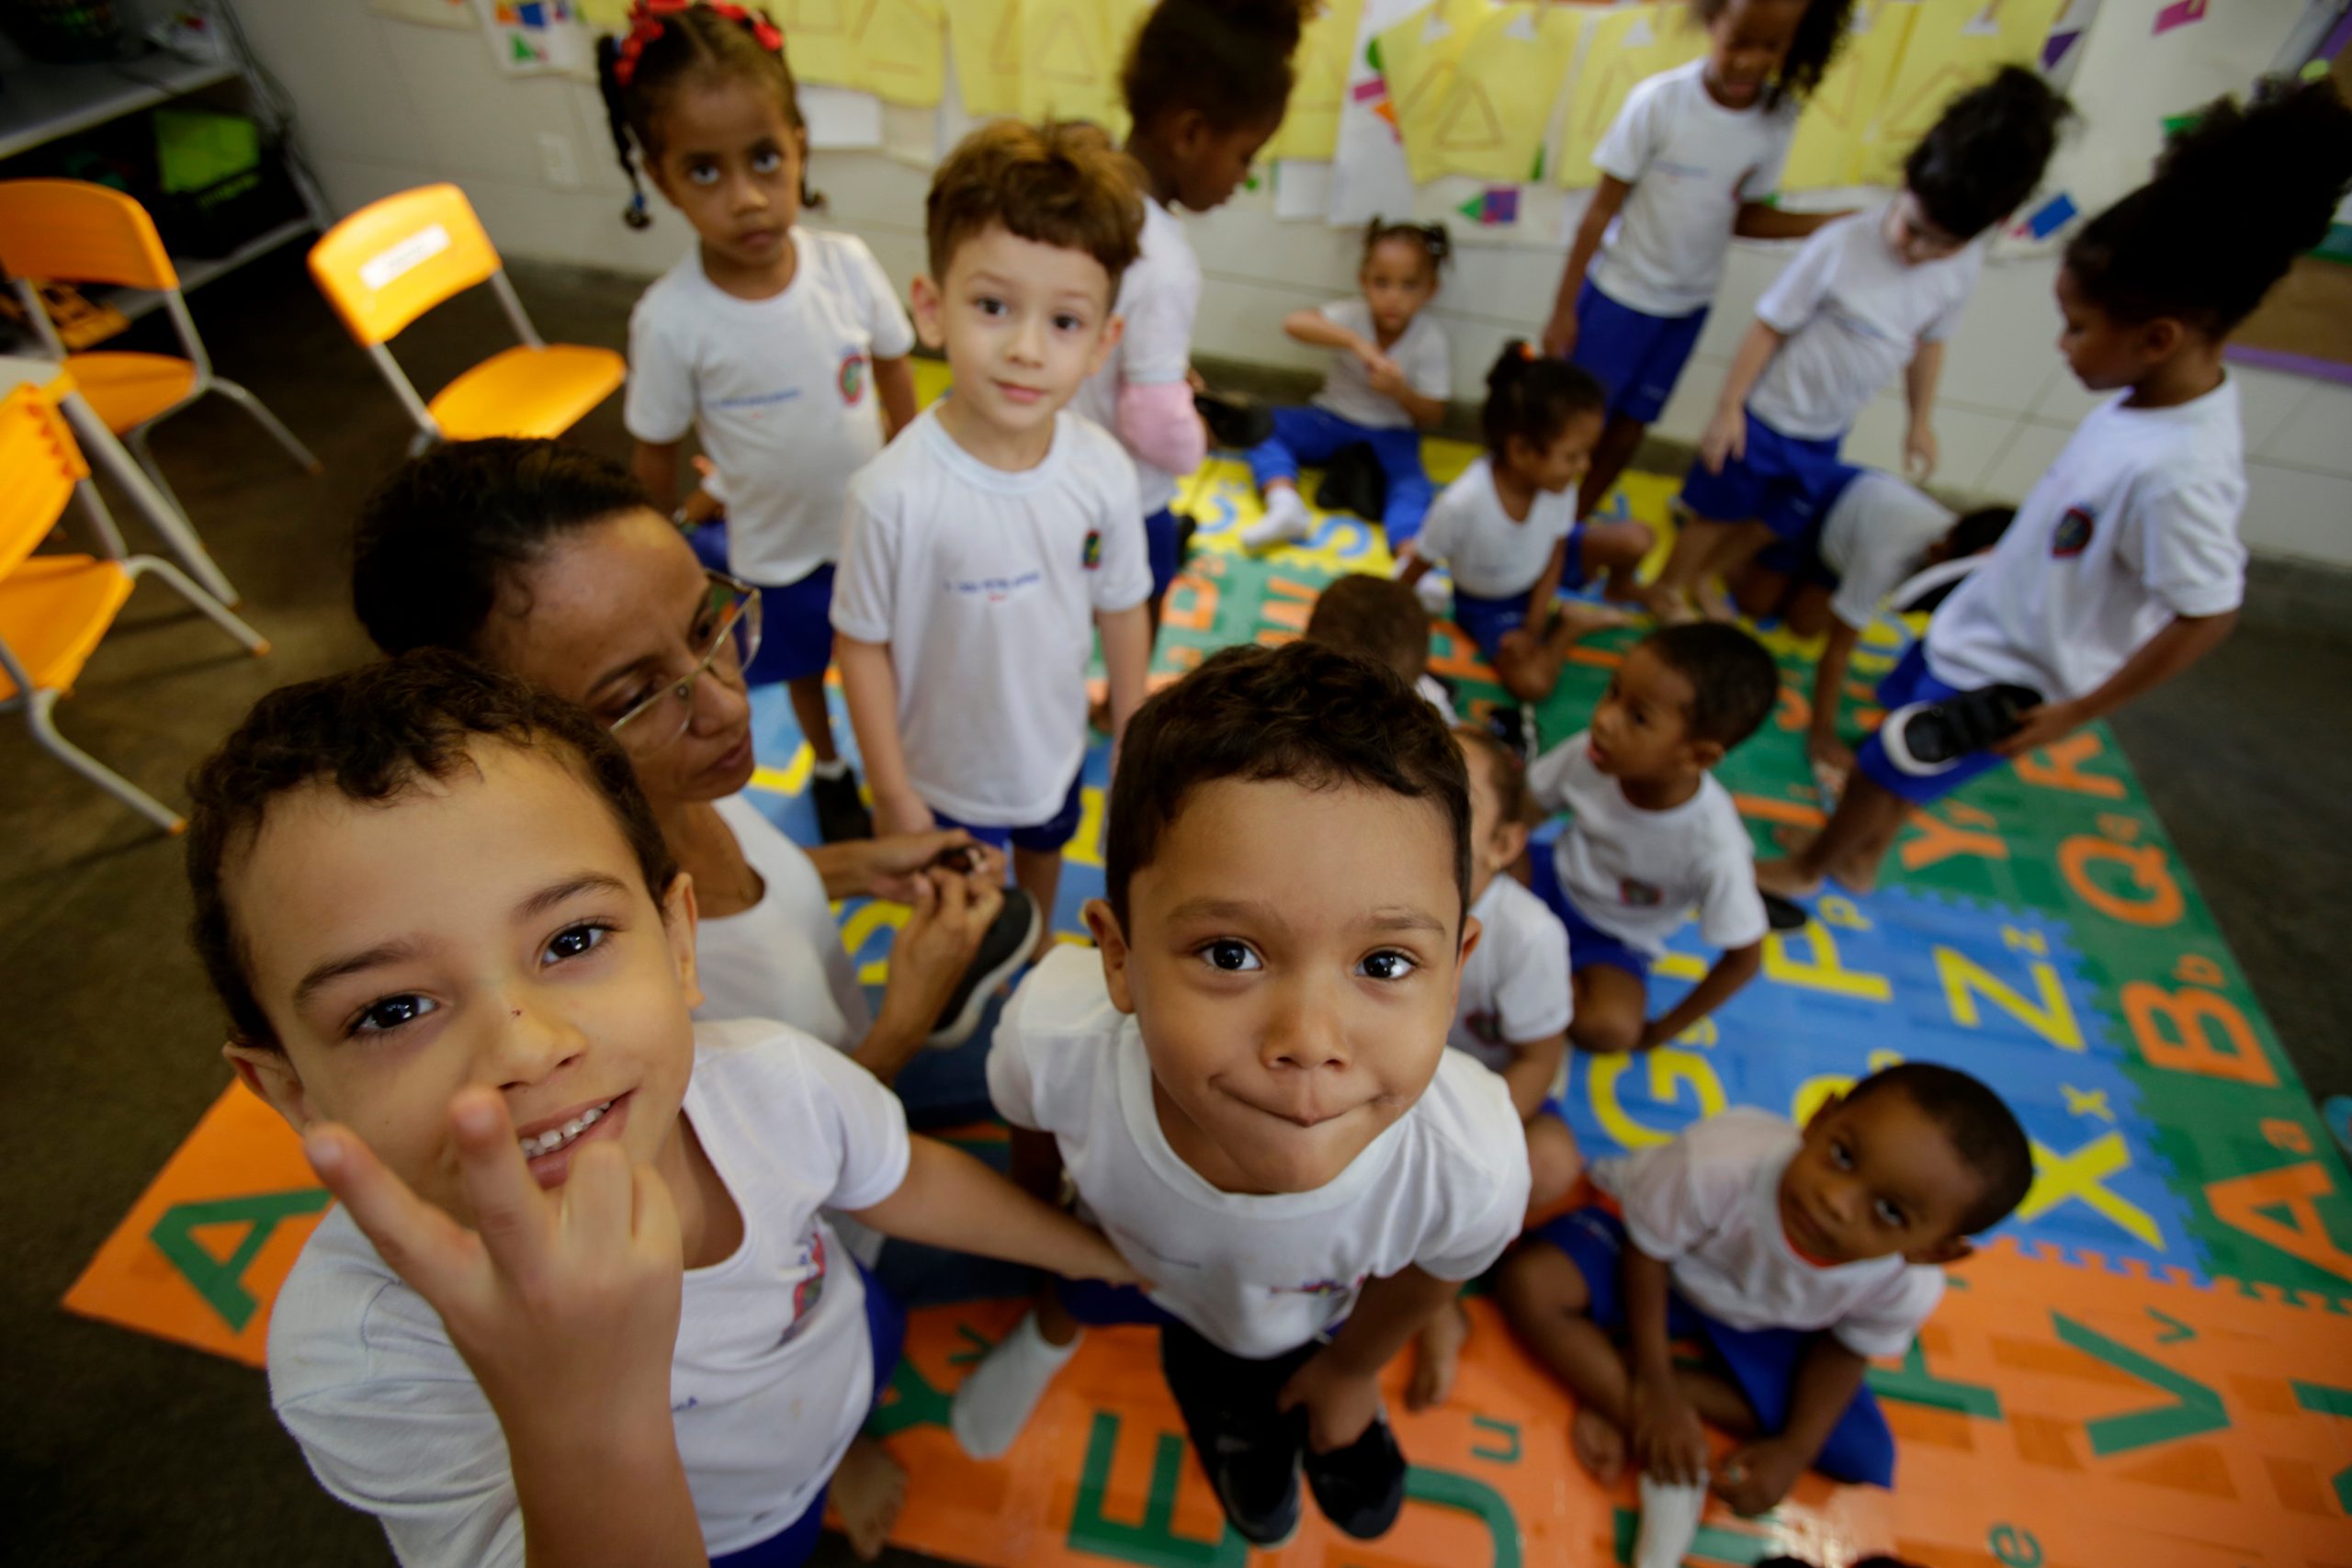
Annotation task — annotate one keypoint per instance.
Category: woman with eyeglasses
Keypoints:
(552, 564)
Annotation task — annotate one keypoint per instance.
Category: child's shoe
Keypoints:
(1004, 947)
(1354, 481)
(1287, 522)
(841, 815)
(1361, 1488)
(1926, 739)
(996, 1401)
(1235, 419)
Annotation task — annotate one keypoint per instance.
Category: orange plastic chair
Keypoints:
(392, 261)
(70, 230)
(54, 609)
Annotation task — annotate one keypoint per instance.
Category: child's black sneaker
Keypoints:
(1256, 1481)
(1784, 914)
(841, 815)
(1009, 938)
(1361, 1488)
(1352, 481)
(1926, 739)
(1235, 419)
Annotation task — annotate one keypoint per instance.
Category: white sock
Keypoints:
(1670, 1522)
(1286, 521)
(1436, 593)
(837, 768)
(997, 1400)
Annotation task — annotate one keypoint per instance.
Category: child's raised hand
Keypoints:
(1668, 1442)
(1341, 1403)
(1754, 1478)
(564, 1305)
(1727, 438)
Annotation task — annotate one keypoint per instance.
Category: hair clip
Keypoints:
(1527, 351)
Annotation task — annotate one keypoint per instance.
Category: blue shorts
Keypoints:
(1588, 944)
(1098, 1305)
(1785, 483)
(1159, 548)
(1045, 838)
(1912, 682)
(886, 1333)
(1314, 436)
(1488, 620)
(795, 618)
(1762, 1362)
(1638, 357)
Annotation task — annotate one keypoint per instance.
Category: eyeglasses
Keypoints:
(729, 620)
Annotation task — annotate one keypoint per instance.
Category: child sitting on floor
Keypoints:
(1653, 833)
(1793, 1256)
(2123, 566)
(1507, 528)
(579, 1303)
(984, 547)
(762, 340)
(1381, 619)
(1249, 1085)
(1869, 295)
(1391, 373)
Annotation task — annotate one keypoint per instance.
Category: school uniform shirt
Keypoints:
(1693, 164)
(1515, 988)
(772, 1375)
(1637, 873)
(1708, 1205)
(1443, 1187)
(780, 390)
(1854, 316)
(1420, 351)
(783, 957)
(1433, 692)
(2134, 524)
(984, 584)
(1489, 553)
(1158, 297)
(1877, 533)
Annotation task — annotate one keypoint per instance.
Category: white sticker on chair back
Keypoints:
(409, 254)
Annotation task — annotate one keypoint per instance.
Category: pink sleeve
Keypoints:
(1159, 425)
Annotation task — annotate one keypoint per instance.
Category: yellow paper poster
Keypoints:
(1829, 147)
(900, 48)
(1499, 104)
(1310, 128)
(1069, 62)
(1621, 48)
(1952, 45)
(985, 35)
(1419, 58)
(817, 41)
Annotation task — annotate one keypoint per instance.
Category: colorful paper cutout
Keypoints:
(1951, 46)
(1828, 146)
(1310, 128)
(1498, 104)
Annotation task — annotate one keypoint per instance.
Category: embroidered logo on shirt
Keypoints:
(853, 377)
(1640, 894)
(812, 1287)
(1092, 554)
(1319, 1287)
(2073, 534)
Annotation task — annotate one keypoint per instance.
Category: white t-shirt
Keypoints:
(1420, 351)
(780, 390)
(1490, 554)
(1515, 988)
(1433, 691)
(1443, 1187)
(986, 584)
(1855, 316)
(1707, 1204)
(1158, 297)
(1876, 536)
(2134, 524)
(773, 1372)
(1637, 873)
(783, 957)
(1693, 164)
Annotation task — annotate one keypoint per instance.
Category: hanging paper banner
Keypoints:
(1621, 46)
(1310, 127)
(532, 38)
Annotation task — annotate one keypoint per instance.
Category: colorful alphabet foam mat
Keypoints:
(2152, 1363)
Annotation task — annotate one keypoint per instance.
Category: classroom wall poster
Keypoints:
(537, 37)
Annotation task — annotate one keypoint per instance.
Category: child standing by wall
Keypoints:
(1207, 81)
(1693, 159)
(2123, 566)
(1508, 527)
(775, 343)
(1868, 296)
(984, 547)
(1391, 373)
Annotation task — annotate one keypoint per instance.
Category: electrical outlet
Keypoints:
(557, 165)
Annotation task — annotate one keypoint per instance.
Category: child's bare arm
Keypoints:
(894, 388)
(1530, 1070)
(1667, 1438)
(565, 1307)
(1734, 969)
(1412, 566)
(1547, 582)
(1389, 380)
(1315, 328)
(870, 685)
(1762, 220)
(1727, 435)
(949, 1199)
(1759, 1475)
(1127, 662)
(1560, 331)
(1341, 1387)
(1919, 379)
(656, 466)
(2182, 643)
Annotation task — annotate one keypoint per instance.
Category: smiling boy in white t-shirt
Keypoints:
(1250, 1086)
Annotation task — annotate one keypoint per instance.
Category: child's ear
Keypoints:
(923, 295)
(1511, 841)
(679, 918)
(2161, 338)
(1104, 926)
(1707, 754)
(1113, 331)
(271, 1075)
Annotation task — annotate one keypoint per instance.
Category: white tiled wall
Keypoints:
(383, 105)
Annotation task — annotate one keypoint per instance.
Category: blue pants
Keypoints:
(1488, 620)
(795, 618)
(1762, 1362)
(1588, 944)
(1636, 356)
(1311, 435)
(1159, 548)
(886, 1333)
(1042, 838)
(1786, 483)
(1912, 682)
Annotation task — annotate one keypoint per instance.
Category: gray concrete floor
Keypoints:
(121, 1448)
